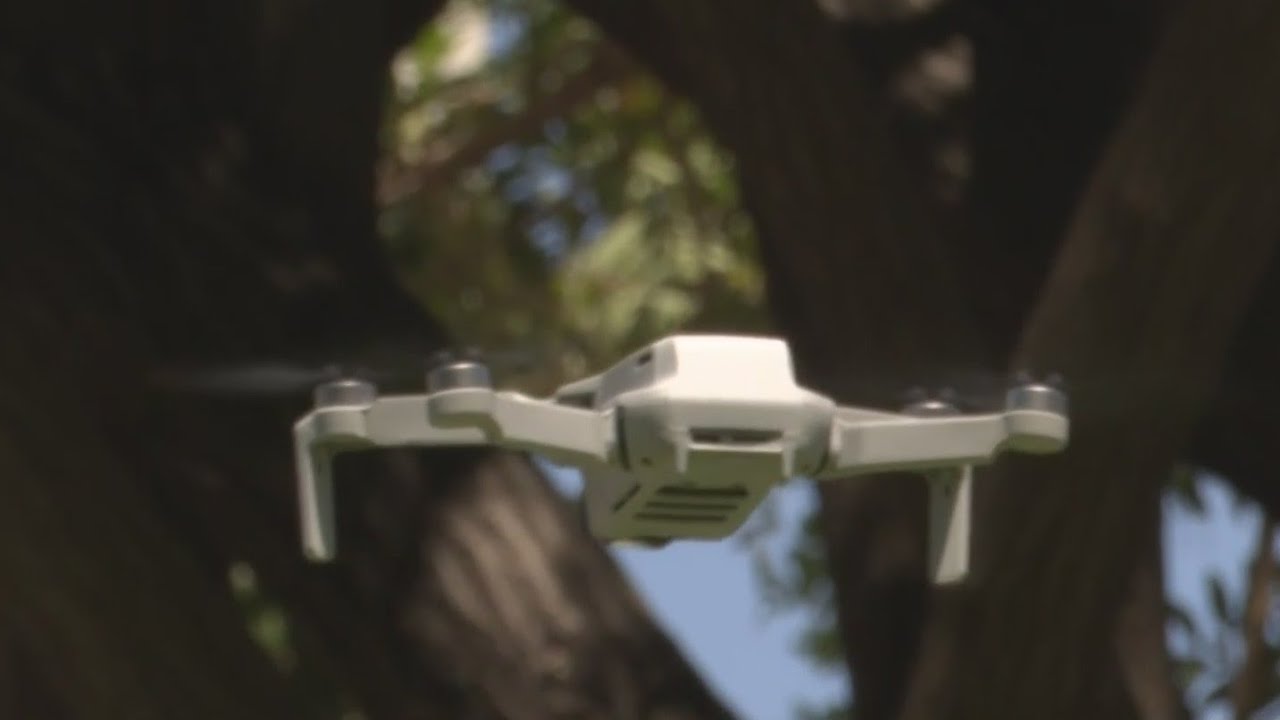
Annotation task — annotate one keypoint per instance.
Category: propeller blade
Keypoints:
(249, 379)
(396, 371)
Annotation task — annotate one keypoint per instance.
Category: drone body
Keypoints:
(682, 439)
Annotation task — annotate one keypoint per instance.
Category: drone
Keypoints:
(681, 440)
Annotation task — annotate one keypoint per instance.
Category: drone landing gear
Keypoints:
(950, 506)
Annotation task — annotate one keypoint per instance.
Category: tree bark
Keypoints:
(191, 184)
(1255, 681)
(820, 180)
(816, 288)
(1157, 271)
(1033, 122)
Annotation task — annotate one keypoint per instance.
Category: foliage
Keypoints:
(269, 627)
(545, 193)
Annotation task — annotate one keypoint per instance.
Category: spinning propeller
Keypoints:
(284, 378)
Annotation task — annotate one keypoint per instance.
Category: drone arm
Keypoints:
(399, 420)
(878, 442)
(946, 448)
(561, 433)
(472, 416)
(870, 441)
(325, 432)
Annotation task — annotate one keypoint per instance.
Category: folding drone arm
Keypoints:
(326, 431)
(946, 446)
(868, 441)
(459, 417)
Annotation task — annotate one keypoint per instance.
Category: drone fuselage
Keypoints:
(706, 427)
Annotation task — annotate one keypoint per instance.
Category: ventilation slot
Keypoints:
(681, 518)
(718, 493)
(664, 505)
(684, 504)
(730, 436)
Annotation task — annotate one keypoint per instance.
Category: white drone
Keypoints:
(682, 439)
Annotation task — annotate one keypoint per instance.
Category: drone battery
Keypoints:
(626, 506)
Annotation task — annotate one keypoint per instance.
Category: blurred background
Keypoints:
(206, 209)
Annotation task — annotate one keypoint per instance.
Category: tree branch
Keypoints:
(884, 44)
(1252, 686)
(444, 160)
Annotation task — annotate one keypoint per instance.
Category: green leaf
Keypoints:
(618, 248)
(430, 46)
(657, 166)
(823, 647)
(1186, 671)
(1219, 693)
(1185, 486)
(670, 308)
(1179, 617)
(1218, 599)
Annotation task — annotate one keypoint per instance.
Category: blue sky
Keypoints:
(706, 596)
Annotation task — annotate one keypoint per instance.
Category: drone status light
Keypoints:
(682, 439)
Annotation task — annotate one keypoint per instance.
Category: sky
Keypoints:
(705, 594)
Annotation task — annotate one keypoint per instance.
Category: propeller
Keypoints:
(284, 378)
(258, 378)
(968, 389)
(1106, 395)
(979, 390)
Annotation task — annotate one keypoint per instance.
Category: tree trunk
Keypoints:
(195, 185)
(805, 180)
(1176, 230)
